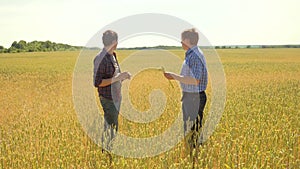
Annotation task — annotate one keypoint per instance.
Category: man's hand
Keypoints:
(123, 76)
(182, 79)
(119, 77)
(170, 75)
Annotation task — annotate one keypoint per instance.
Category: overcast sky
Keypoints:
(223, 22)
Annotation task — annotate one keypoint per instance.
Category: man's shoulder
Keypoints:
(195, 56)
(100, 56)
(102, 53)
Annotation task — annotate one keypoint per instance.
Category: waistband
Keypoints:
(202, 92)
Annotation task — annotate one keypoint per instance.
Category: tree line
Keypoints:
(48, 46)
(37, 46)
(256, 46)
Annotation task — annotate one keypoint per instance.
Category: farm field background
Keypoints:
(259, 127)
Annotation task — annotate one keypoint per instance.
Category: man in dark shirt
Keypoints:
(108, 79)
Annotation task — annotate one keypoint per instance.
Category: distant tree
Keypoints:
(22, 45)
(2, 49)
(14, 44)
(48, 45)
(72, 49)
(38, 46)
(248, 46)
(12, 49)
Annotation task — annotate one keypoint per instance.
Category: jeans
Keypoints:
(111, 113)
(193, 105)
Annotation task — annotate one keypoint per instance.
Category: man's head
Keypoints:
(189, 38)
(110, 39)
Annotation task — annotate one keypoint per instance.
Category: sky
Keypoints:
(74, 22)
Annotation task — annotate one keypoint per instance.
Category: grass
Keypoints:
(259, 127)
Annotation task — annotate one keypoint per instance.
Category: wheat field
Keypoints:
(260, 126)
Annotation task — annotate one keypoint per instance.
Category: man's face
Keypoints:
(114, 45)
(185, 43)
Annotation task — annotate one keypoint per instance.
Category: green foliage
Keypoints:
(2, 49)
(48, 46)
(256, 46)
(38, 46)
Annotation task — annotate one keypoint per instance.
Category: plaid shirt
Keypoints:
(194, 65)
(105, 66)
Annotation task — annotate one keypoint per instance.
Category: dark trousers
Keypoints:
(111, 114)
(193, 105)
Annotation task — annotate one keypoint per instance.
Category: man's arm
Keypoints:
(195, 72)
(99, 71)
(120, 77)
(182, 79)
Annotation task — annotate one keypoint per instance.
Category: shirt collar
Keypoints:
(106, 53)
(190, 50)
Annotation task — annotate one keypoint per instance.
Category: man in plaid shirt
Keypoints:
(108, 79)
(193, 80)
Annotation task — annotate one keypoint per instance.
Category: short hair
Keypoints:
(108, 37)
(192, 35)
